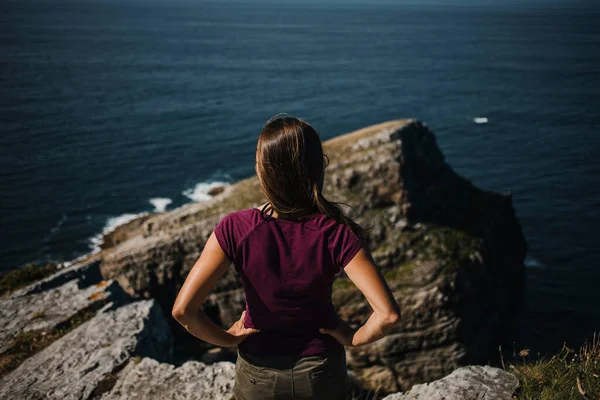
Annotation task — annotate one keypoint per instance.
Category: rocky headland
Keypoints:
(452, 253)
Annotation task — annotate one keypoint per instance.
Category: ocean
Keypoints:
(113, 108)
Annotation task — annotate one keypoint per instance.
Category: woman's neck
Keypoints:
(268, 209)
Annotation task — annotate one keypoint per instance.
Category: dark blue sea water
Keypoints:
(108, 104)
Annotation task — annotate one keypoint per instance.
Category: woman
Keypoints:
(288, 253)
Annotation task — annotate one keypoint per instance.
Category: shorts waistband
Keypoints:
(287, 362)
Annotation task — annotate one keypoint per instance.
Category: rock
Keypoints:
(216, 190)
(229, 304)
(83, 363)
(219, 354)
(120, 233)
(452, 253)
(467, 383)
(150, 380)
(55, 300)
(46, 310)
(86, 274)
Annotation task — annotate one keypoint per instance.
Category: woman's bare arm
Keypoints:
(386, 312)
(209, 268)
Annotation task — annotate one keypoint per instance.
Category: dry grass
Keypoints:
(570, 374)
(365, 394)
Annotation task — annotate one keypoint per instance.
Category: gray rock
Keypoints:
(467, 383)
(45, 309)
(85, 273)
(150, 380)
(84, 362)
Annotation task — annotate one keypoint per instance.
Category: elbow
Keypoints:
(178, 313)
(392, 319)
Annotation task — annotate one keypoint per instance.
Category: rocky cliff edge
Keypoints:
(451, 252)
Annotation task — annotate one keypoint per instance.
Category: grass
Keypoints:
(449, 242)
(366, 394)
(570, 374)
(22, 277)
(401, 273)
(37, 315)
(26, 344)
(137, 359)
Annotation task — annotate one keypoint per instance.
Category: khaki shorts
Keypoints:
(314, 377)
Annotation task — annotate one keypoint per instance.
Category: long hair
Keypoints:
(291, 168)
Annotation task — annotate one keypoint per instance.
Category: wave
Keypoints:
(55, 229)
(200, 192)
(480, 120)
(111, 224)
(160, 203)
(531, 262)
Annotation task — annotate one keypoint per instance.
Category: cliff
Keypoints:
(452, 254)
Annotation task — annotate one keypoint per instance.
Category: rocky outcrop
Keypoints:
(84, 362)
(452, 253)
(466, 383)
(151, 380)
(86, 274)
(51, 302)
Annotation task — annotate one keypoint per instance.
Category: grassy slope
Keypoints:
(569, 375)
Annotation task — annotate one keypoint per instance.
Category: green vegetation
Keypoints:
(136, 359)
(401, 273)
(26, 344)
(449, 242)
(22, 277)
(569, 375)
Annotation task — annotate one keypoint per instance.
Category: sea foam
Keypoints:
(160, 203)
(531, 262)
(200, 191)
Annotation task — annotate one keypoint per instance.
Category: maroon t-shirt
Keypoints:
(287, 269)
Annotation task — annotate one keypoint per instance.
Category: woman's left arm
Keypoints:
(187, 310)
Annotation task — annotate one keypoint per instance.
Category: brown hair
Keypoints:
(291, 168)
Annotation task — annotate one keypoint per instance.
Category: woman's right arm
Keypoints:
(386, 312)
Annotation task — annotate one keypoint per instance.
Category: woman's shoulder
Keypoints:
(231, 230)
(234, 227)
(246, 216)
